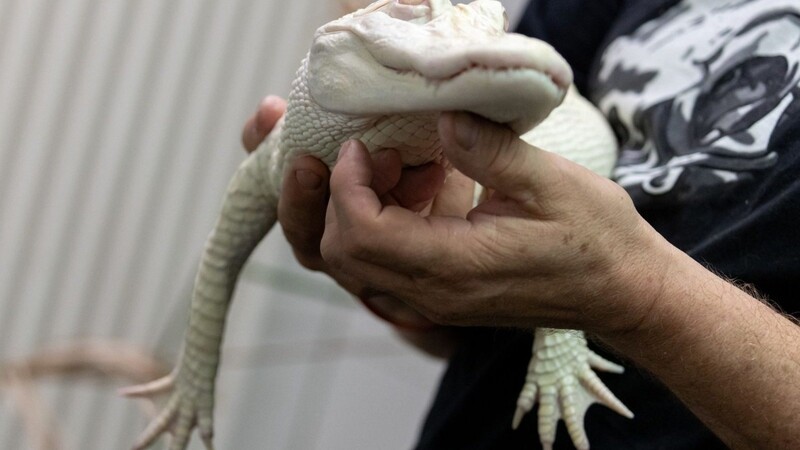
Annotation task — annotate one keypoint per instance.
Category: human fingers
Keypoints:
(387, 168)
(419, 186)
(456, 197)
(301, 213)
(408, 187)
(496, 157)
(412, 187)
(352, 181)
(353, 207)
(377, 242)
(301, 208)
(450, 269)
(304, 198)
(259, 125)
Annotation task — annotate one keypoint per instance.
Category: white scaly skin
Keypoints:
(382, 75)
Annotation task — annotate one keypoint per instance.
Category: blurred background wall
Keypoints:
(119, 128)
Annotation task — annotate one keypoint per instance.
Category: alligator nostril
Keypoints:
(418, 11)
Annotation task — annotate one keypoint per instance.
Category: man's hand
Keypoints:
(304, 197)
(260, 124)
(554, 245)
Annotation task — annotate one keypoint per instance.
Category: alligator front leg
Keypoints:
(561, 378)
(248, 213)
(191, 384)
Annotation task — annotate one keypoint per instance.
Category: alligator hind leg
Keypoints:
(561, 378)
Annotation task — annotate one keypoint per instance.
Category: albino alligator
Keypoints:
(382, 75)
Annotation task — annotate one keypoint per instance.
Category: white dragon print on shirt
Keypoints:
(701, 88)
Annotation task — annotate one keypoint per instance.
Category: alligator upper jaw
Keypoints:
(437, 54)
(491, 58)
(373, 64)
(520, 97)
(442, 42)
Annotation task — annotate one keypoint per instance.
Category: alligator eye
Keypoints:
(742, 96)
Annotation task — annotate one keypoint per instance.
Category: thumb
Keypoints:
(495, 156)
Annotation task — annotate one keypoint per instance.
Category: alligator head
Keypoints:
(411, 56)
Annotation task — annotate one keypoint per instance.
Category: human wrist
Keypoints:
(670, 292)
(642, 287)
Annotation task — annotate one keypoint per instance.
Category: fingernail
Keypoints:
(466, 130)
(267, 101)
(307, 179)
(256, 131)
(265, 104)
(346, 148)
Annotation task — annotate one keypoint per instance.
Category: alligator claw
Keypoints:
(183, 412)
(561, 378)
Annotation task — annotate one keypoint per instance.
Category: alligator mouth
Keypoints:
(475, 68)
(441, 63)
(510, 55)
(495, 75)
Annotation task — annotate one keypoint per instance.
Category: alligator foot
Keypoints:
(561, 378)
(182, 413)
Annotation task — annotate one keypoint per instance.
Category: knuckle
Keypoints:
(300, 234)
(504, 151)
(306, 247)
(331, 253)
(308, 260)
(359, 244)
(621, 195)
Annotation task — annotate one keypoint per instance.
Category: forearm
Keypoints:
(733, 360)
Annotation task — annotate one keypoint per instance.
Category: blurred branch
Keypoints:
(106, 358)
(36, 418)
(97, 358)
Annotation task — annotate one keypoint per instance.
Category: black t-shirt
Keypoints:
(703, 96)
